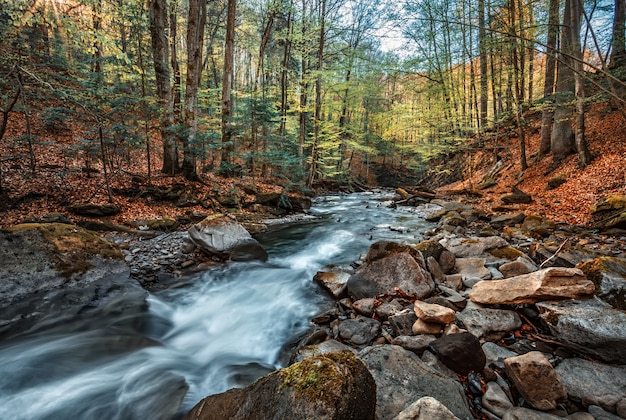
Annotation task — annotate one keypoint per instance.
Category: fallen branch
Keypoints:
(555, 254)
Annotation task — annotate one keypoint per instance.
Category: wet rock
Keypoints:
(504, 220)
(402, 323)
(402, 378)
(536, 380)
(331, 386)
(588, 326)
(472, 268)
(328, 346)
(609, 276)
(223, 237)
(520, 413)
(389, 270)
(415, 343)
(428, 312)
(495, 400)
(593, 383)
(426, 408)
(546, 284)
(423, 327)
(460, 352)
(360, 331)
(332, 281)
(472, 247)
(488, 324)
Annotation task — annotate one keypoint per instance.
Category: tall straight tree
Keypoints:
(195, 43)
(227, 83)
(548, 87)
(618, 43)
(160, 54)
(584, 157)
(562, 139)
(482, 46)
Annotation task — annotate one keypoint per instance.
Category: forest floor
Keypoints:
(569, 203)
(62, 176)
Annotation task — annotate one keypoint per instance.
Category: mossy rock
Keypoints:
(556, 181)
(609, 276)
(71, 248)
(329, 386)
(614, 202)
(506, 252)
(538, 227)
(382, 249)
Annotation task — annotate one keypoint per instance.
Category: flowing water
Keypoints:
(226, 327)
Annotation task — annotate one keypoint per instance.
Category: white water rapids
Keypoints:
(224, 328)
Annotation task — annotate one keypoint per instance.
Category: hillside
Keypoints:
(569, 202)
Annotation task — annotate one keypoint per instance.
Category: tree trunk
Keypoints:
(584, 157)
(518, 76)
(195, 43)
(304, 87)
(482, 46)
(160, 54)
(227, 83)
(618, 42)
(318, 94)
(548, 87)
(176, 95)
(562, 140)
(284, 73)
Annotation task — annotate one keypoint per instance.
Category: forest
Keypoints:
(304, 92)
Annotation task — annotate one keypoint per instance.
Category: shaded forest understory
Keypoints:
(564, 194)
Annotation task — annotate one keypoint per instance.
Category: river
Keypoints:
(225, 328)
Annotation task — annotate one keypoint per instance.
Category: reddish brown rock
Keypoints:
(548, 284)
(536, 380)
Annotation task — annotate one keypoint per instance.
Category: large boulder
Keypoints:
(403, 378)
(330, 386)
(58, 269)
(391, 268)
(610, 212)
(536, 380)
(220, 236)
(592, 383)
(609, 276)
(588, 326)
(547, 284)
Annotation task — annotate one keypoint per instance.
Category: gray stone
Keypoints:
(388, 274)
(415, 343)
(499, 222)
(360, 331)
(520, 413)
(495, 353)
(333, 281)
(599, 414)
(388, 309)
(426, 408)
(402, 323)
(472, 268)
(514, 268)
(454, 281)
(460, 352)
(219, 235)
(446, 261)
(365, 306)
(342, 389)
(328, 346)
(435, 269)
(588, 326)
(594, 383)
(472, 247)
(536, 380)
(402, 378)
(488, 324)
(495, 400)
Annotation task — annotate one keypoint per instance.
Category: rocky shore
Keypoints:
(505, 316)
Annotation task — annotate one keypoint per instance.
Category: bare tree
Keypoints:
(548, 87)
(227, 83)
